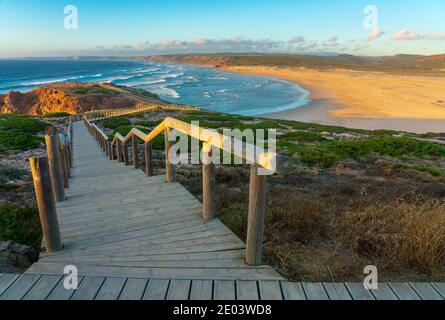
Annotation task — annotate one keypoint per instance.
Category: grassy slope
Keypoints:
(392, 184)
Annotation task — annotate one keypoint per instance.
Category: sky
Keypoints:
(106, 27)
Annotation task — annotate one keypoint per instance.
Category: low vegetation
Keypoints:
(114, 123)
(19, 132)
(56, 115)
(20, 224)
(345, 198)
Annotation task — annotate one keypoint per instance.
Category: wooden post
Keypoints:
(208, 185)
(55, 163)
(69, 154)
(125, 152)
(63, 160)
(46, 204)
(148, 159)
(119, 151)
(169, 168)
(110, 151)
(67, 160)
(255, 219)
(134, 147)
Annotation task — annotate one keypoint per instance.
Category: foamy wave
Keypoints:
(51, 81)
(173, 75)
(144, 83)
(165, 91)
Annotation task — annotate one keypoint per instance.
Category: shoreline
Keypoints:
(332, 105)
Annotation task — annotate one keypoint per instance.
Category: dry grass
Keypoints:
(398, 235)
(329, 226)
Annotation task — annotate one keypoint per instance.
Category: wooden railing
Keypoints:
(111, 113)
(50, 176)
(117, 148)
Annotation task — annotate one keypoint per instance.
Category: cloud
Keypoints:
(297, 39)
(237, 44)
(436, 36)
(410, 35)
(405, 34)
(375, 34)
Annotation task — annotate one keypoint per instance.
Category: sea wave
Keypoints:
(51, 81)
(165, 91)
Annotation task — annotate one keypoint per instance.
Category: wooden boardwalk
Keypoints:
(134, 237)
(50, 287)
(117, 222)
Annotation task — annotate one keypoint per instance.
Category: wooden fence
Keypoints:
(112, 113)
(118, 148)
(50, 176)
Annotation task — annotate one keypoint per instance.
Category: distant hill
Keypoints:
(393, 64)
(73, 98)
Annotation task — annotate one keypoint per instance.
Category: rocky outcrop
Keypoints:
(15, 258)
(72, 98)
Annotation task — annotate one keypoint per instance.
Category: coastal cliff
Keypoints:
(73, 98)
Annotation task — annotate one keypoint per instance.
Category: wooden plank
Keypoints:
(42, 289)
(247, 290)
(60, 293)
(224, 290)
(201, 290)
(156, 289)
(179, 290)
(20, 287)
(111, 289)
(270, 290)
(384, 292)
(426, 291)
(403, 291)
(292, 291)
(358, 291)
(6, 280)
(315, 291)
(88, 288)
(133, 289)
(337, 291)
(440, 287)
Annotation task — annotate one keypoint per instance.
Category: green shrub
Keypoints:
(18, 140)
(435, 172)
(390, 146)
(158, 143)
(114, 123)
(56, 114)
(124, 130)
(81, 91)
(20, 224)
(20, 123)
(147, 123)
(10, 173)
(327, 153)
(303, 136)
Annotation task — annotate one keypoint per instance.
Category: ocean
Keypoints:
(207, 88)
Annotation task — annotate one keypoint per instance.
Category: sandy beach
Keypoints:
(365, 100)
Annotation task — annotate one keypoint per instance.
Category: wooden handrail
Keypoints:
(210, 138)
(111, 113)
(248, 152)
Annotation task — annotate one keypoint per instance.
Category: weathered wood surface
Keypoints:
(117, 222)
(50, 287)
